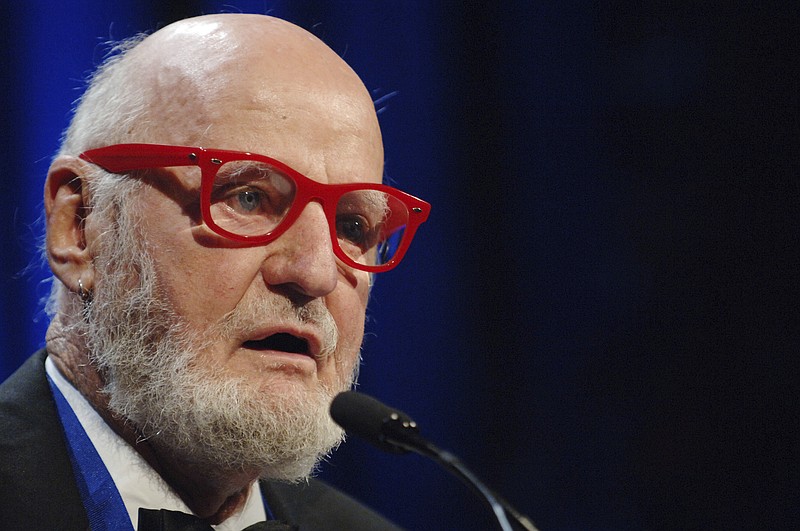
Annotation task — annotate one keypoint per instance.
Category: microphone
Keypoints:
(393, 431)
(389, 429)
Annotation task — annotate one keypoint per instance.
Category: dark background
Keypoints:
(598, 316)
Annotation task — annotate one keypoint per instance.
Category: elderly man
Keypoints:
(208, 302)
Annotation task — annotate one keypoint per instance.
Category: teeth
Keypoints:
(280, 342)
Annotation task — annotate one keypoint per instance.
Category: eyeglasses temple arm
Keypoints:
(126, 157)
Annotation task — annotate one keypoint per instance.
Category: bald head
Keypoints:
(196, 81)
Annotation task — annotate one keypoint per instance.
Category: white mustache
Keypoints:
(251, 313)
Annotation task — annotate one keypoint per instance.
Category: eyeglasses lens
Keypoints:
(370, 225)
(252, 198)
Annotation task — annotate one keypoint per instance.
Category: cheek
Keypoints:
(201, 282)
(200, 287)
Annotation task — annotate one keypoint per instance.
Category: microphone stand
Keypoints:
(403, 433)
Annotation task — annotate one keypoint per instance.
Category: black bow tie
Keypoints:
(164, 520)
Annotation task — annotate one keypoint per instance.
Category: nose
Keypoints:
(301, 259)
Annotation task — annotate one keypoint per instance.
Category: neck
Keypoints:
(211, 495)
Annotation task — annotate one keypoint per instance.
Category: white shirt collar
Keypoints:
(138, 483)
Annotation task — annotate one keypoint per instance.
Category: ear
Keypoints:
(66, 211)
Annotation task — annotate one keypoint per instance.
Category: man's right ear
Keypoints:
(66, 211)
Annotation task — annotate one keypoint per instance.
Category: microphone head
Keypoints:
(365, 417)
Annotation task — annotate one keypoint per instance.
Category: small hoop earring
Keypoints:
(83, 292)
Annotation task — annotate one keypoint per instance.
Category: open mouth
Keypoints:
(280, 342)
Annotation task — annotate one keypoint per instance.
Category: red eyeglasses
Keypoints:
(254, 199)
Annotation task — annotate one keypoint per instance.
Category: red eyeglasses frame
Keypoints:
(120, 158)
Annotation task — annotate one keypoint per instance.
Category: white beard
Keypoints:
(155, 377)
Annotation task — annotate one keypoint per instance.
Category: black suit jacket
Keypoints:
(37, 484)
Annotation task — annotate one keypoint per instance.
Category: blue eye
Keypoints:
(249, 200)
